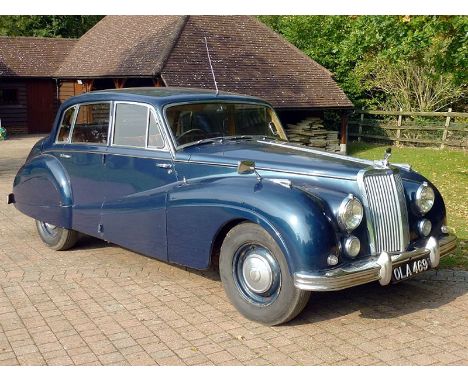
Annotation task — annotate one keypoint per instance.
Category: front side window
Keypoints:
(92, 124)
(66, 124)
(155, 140)
(195, 122)
(131, 122)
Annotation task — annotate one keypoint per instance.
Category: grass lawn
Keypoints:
(448, 170)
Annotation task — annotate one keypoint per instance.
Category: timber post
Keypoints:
(344, 133)
(446, 126)
(398, 133)
(361, 121)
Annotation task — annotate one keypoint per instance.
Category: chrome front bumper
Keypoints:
(377, 268)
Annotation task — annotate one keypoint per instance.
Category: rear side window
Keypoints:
(66, 124)
(131, 122)
(92, 124)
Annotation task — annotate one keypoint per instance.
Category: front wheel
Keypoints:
(55, 237)
(256, 277)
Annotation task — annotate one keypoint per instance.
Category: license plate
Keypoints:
(409, 269)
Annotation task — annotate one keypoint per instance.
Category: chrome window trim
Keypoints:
(176, 147)
(150, 109)
(71, 150)
(73, 119)
(76, 116)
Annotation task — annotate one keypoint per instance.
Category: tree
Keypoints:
(47, 26)
(360, 49)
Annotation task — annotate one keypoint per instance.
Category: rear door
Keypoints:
(81, 147)
(139, 170)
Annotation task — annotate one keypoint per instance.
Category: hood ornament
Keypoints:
(384, 162)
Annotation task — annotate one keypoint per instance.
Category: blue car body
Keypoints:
(177, 204)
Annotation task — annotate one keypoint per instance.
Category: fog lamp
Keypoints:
(424, 227)
(352, 246)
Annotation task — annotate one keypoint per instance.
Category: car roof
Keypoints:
(161, 96)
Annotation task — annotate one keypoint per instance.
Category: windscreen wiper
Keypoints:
(202, 142)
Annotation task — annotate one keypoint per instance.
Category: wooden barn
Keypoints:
(129, 51)
(28, 87)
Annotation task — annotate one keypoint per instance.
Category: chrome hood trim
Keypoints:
(318, 152)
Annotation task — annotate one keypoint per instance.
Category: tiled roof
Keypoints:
(123, 46)
(249, 58)
(32, 56)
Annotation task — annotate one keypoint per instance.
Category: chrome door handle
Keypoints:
(66, 156)
(164, 165)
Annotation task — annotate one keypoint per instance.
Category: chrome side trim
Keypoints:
(376, 268)
(269, 169)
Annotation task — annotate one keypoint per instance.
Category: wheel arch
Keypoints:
(42, 190)
(203, 213)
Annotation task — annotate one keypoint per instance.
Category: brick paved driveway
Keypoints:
(101, 304)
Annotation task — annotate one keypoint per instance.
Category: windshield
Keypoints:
(201, 121)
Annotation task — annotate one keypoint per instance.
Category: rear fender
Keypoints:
(42, 191)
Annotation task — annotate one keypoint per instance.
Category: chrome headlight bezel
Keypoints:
(351, 246)
(425, 197)
(350, 213)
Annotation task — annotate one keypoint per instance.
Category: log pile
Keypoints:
(311, 132)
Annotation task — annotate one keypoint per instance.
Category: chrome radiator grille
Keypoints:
(386, 211)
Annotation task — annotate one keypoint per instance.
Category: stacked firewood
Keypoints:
(311, 132)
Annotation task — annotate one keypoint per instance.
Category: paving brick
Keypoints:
(102, 304)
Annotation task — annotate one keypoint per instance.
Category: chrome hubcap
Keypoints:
(257, 273)
(49, 229)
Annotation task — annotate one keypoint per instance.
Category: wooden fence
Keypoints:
(418, 128)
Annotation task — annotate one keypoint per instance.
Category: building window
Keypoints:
(8, 96)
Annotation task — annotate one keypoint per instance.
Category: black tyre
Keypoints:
(55, 237)
(256, 277)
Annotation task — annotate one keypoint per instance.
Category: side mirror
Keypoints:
(246, 167)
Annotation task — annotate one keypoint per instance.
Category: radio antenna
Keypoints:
(211, 66)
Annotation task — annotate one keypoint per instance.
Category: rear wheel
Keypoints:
(57, 238)
(256, 277)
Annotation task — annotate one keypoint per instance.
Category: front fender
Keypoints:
(296, 220)
(42, 191)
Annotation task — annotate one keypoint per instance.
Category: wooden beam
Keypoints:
(119, 83)
(88, 85)
(158, 82)
(343, 132)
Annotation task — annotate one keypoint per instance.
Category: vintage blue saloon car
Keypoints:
(197, 178)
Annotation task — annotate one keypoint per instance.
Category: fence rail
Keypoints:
(440, 130)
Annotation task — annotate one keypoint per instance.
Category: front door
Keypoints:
(41, 101)
(139, 168)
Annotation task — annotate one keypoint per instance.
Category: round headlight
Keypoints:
(350, 213)
(425, 198)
